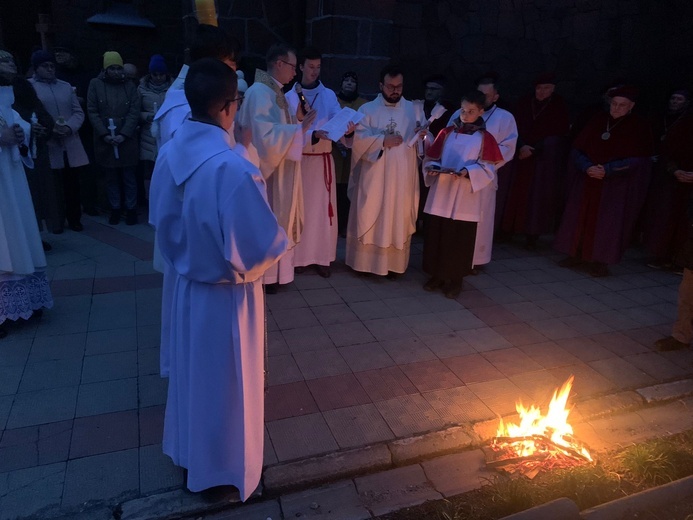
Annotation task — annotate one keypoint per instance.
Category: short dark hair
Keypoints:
(392, 70)
(278, 50)
(489, 78)
(440, 79)
(213, 42)
(309, 53)
(476, 97)
(209, 84)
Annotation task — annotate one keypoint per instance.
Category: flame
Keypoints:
(554, 425)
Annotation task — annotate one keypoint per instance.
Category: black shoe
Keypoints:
(114, 219)
(37, 313)
(92, 212)
(570, 261)
(391, 275)
(131, 217)
(76, 226)
(271, 288)
(220, 494)
(323, 271)
(452, 289)
(433, 284)
(46, 246)
(669, 343)
(599, 270)
(299, 270)
(58, 231)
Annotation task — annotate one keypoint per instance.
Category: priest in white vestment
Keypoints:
(384, 184)
(24, 287)
(501, 125)
(217, 232)
(318, 245)
(277, 136)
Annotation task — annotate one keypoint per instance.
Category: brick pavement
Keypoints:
(353, 361)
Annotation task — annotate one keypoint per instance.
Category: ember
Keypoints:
(539, 442)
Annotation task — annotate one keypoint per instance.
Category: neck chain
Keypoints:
(667, 127)
(537, 114)
(606, 135)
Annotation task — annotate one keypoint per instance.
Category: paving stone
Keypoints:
(458, 405)
(5, 406)
(338, 391)
(621, 373)
(495, 315)
(499, 395)
(153, 390)
(385, 383)
(473, 368)
(57, 347)
(448, 345)
(294, 318)
(559, 308)
(107, 396)
(336, 313)
(107, 367)
(14, 353)
(307, 339)
(608, 404)
(539, 385)
(339, 500)
(151, 425)
(113, 311)
(372, 309)
(255, 511)
(157, 471)
(148, 306)
(344, 334)
(321, 363)
(422, 447)
(44, 406)
(310, 280)
(368, 356)
(457, 473)
(588, 382)
(282, 370)
(396, 489)
(104, 434)
(289, 400)
(471, 299)
(299, 437)
(430, 375)
(619, 343)
(107, 341)
(386, 329)
(511, 361)
(515, 334)
(101, 477)
(148, 361)
(549, 354)
(29, 491)
(360, 425)
(10, 378)
(666, 391)
(326, 296)
(409, 414)
(285, 300)
(359, 293)
(407, 350)
(328, 467)
(585, 349)
(461, 320)
(148, 336)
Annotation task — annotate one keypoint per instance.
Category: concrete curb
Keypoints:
(301, 474)
(561, 508)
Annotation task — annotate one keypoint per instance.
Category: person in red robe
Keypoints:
(665, 226)
(534, 201)
(610, 169)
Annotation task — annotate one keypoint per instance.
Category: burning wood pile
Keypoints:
(539, 442)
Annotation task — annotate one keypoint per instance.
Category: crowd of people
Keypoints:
(248, 190)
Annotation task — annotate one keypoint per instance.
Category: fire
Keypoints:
(540, 438)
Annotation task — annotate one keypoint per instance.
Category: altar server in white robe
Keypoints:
(318, 245)
(209, 42)
(277, 137)
(24, 287)
(215, 229)
(501, 125)
(384, 184)
(459, 167)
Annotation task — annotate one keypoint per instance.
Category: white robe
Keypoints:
(218, 233)
(500, 124)
(24, 287)
(383, 188)
(278, 141)
(456, 197)
(319, 238)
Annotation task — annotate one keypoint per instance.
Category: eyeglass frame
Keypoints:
(294, 65)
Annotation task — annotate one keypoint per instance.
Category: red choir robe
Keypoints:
(600, 214)
(535, 201)
(665, 222)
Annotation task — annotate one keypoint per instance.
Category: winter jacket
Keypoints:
(150, 95)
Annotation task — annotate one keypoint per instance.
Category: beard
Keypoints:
(394, 98)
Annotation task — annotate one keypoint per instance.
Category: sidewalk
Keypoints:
(353, 361)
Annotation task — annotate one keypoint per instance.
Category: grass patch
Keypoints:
(617, 474)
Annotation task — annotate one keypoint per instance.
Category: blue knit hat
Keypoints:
(40, 57)
(158, 64)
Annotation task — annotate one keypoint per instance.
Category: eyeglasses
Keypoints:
(292, 65)
(229, 101)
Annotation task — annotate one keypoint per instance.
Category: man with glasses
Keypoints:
(278, 136)
(384, 183)
(65, 150)
(218, 234)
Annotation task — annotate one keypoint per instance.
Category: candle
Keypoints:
(206, 12)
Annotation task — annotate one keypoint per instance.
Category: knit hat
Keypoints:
(157, 63)
(242, 84)
(40, 57)
(545, 78)
(111, 58)
(350, 74)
